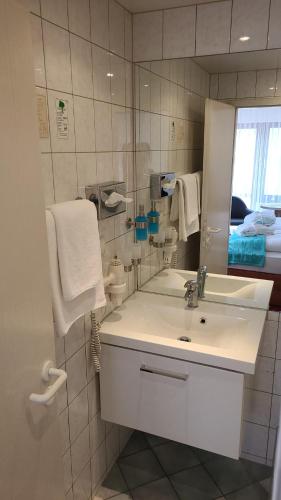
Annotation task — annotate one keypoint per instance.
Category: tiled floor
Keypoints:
(152, 468)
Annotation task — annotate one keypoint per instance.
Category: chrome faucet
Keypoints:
(201, 280)
(191, 294)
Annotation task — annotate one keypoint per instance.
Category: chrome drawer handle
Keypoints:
(164, 373)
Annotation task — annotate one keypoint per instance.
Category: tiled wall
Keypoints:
(77, 45)
(262, 396)
(209, 28)
(246, 84)
(169, 100)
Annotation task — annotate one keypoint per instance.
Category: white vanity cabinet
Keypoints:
(186, 402)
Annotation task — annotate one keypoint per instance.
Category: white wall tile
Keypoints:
(57, 57)
(249, 20)
(86, 169)
(269, 339)
(78, 414)
(118, 80)
(55, 11)
(31, 5)
(84, 124)
(214, 86)
(118, 128)
(64, 430)
(277, 378)
(104, 168)
(97, 432)
(44, 142)
(94, 397)
(76, 373)
(257, 407)
(254, 440)
(129, 84)
(147, 36)
(128, 36)
(99, 22)
(144, 90)
(38, 54)
(80, 452)
(98, 465)
(275, 411)
(61, 144)
(278, 84)
(101, 74)
(246, 84)
(81, 63)
(266, 83)
(227, 85)
(278, 348)
(274, 35)
(79, 18)
(263, 378)
(75, 338)
(65, 176)
(82, 485)
(116, 28)
(47, 178)
(67, 471)
(179, 32)
(213, 28)
(103, 124)
(271, 447)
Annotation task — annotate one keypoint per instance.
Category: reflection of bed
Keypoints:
(271, 270)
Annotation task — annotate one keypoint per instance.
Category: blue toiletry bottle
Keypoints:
(153, 219)
(141, 225)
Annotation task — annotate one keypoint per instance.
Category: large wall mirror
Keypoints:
(220, 117)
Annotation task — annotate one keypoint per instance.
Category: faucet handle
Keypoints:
(191, 285)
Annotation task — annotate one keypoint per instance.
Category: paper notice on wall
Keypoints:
(172, 131)
(42, 114)
(62, 118)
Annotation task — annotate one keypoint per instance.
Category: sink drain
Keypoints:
(183, 338)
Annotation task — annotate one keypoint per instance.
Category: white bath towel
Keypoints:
(254, 229)
(78, 244)
(265, 218)
(198, 177)
(67, 312)
(185, 206)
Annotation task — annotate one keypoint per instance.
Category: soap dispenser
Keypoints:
(141, 225)
(153, 219)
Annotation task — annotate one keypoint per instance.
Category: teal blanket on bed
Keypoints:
(246, 250)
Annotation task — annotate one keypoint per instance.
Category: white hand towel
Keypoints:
(184, 207)
(78, 244)
(198, 177)
(67, 312)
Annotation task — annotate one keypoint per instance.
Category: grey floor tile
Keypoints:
(113, 484)
(230, 475)
(195, 484)
(157, 490)
(124, 496)
(155, 440)
(205, 456)
(267, 484)
(140, 468)
(252, 492)
(175, 457)
(137, 442)
(258, 472)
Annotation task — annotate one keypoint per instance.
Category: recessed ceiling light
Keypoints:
(271, 88)
(244, 38)
(110, 75)
(146, 85)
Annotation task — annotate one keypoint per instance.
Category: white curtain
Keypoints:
(257, 160)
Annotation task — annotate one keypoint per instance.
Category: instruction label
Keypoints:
(62, 118)
(42, 114)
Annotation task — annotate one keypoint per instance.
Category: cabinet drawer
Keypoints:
(189, 403)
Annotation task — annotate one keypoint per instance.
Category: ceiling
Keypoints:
(242, 61)
(145, 5)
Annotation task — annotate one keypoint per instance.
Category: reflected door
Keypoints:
(30, 458)
(217, 180)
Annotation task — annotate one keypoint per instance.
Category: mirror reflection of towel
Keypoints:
(185, 205)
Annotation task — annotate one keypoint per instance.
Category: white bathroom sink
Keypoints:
(218, 335)
(234, 290)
